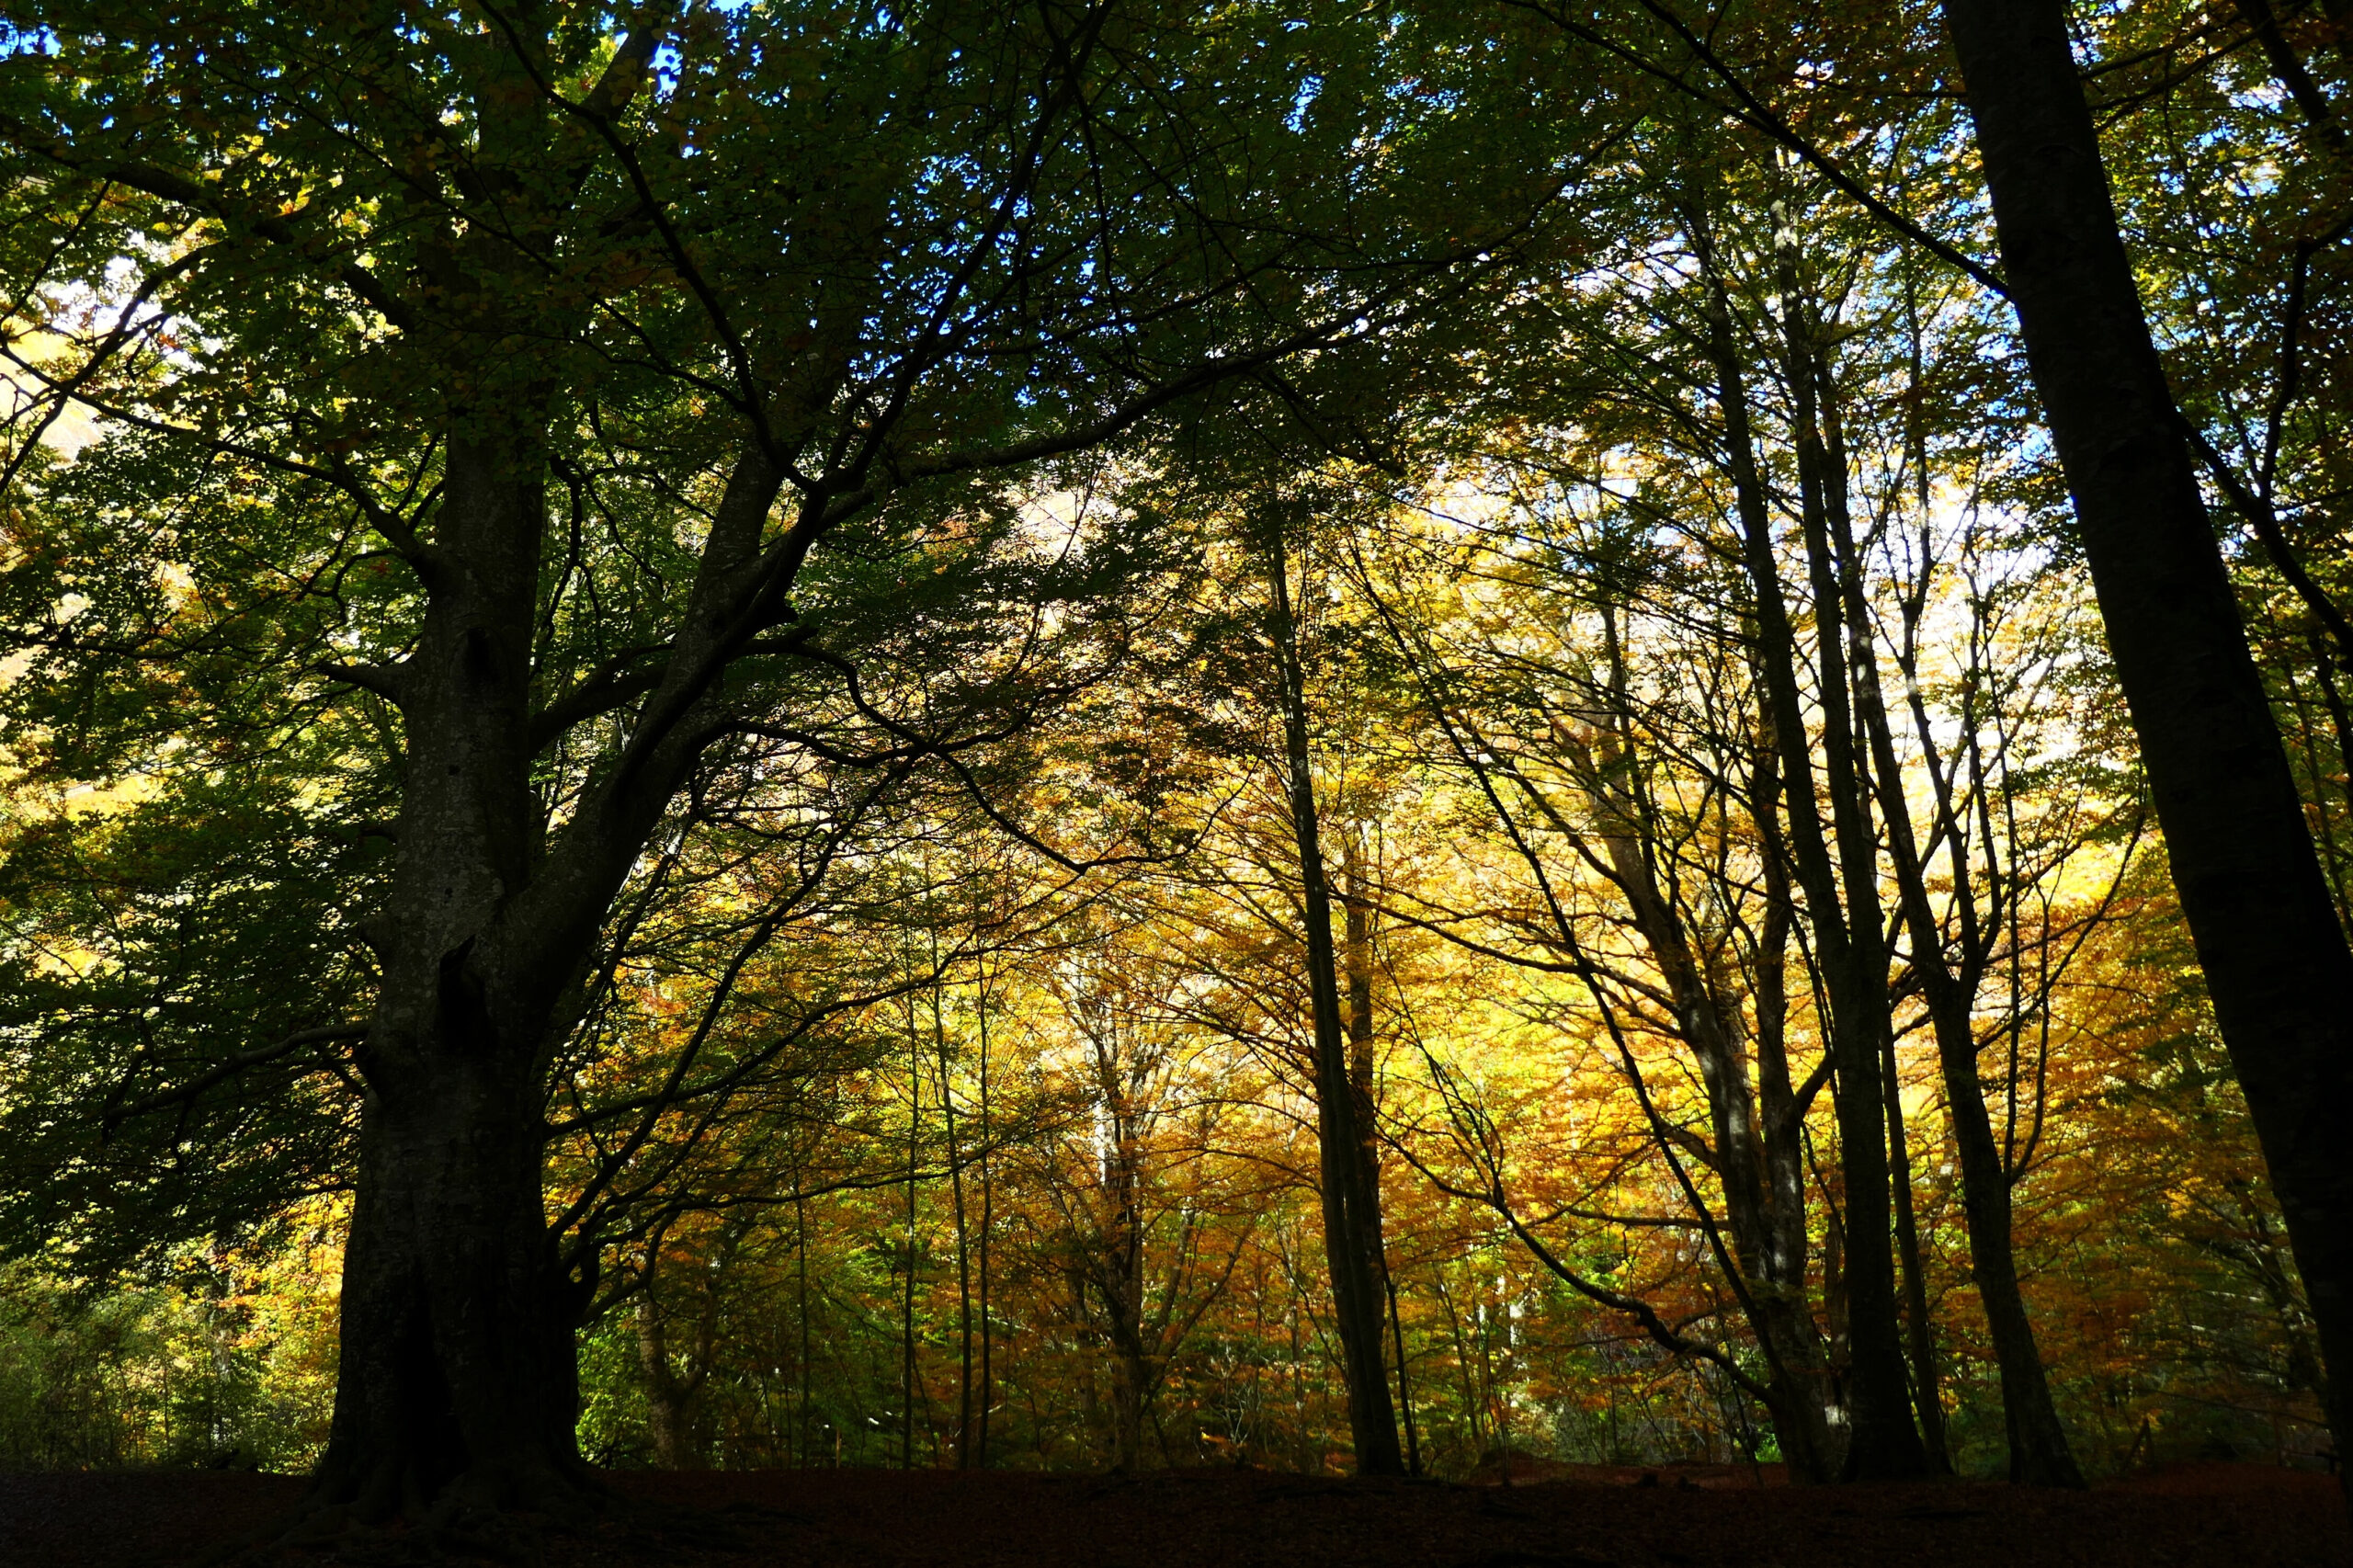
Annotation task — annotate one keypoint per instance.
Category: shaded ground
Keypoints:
(2223, 1516)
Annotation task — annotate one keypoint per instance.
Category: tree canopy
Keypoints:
(1110, 733)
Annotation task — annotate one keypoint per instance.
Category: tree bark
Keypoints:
(670, 1398)
(1356, 947)
(457, 1312)
(2275, 957)
(1886, 1445)
(2039, 1453)
(456, 1388)
(1883, 1443)
(1920, 1334)
(1351, 1207)
(1767, 1216)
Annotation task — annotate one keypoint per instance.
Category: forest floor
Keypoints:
(2210, 1515)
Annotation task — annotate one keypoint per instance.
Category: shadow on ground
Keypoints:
(2214, 1515)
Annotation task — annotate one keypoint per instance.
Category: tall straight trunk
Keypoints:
(1119, 1277)
(1356, 906)
(1356, 951)
(963, 1234)
(801, 1292)
(2038, 1444)
(2268, 937)
(1919, 1330)
(1404, 1390)
(1883, 1443)
(1781, 1284)
(988, 1221)
(1886, 1443)
(907, 1297)
(1351, 1205)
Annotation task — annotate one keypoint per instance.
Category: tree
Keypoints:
(585, 340)
(2268, 936)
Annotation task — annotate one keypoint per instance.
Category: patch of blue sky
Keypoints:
(1310, 87)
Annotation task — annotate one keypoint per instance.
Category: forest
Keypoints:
(1513, 743)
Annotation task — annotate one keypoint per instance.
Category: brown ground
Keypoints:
(2193, 1516)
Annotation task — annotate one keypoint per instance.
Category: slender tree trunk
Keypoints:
(1123, 1288)
(907, 1298)
(1404, 1390)
(1357, 953)
(2040, 1455)
(2038, 1444)
(670, 1398)
(1920, 1334)
(963, 1236)
(801, 1290)
(1883, 1443)
(1801, 1394)
(988, 1221)
(1878, 766)
(1356, 905)
(1768, 1253)
(2274, 954)
(1886, 1444)
(1350, 1206)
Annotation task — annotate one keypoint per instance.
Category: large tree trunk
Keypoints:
(457, 1320)
(457, 1387)
(1351, 1210)
(2268, 937)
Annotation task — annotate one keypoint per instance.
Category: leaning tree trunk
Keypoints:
(1768, 1250)
(2038, 1444)
(2268, 936)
